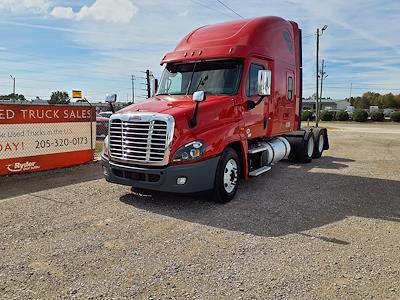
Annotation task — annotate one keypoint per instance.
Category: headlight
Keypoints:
(105, 147)
(191, 151)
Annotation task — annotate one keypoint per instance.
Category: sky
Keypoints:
(96, 45)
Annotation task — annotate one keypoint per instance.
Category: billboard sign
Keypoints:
(43, 137)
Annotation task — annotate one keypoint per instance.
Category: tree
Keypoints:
(375, 99)
(59, 97)
(12, 96)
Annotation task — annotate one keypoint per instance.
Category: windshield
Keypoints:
(213, 77)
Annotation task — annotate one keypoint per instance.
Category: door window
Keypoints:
(252, 80)
(290, 88)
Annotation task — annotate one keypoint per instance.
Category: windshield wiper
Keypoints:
(201, 82)
(191, 79)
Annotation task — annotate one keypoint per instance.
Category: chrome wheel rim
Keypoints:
(321, 143)
(230, 175)
(310, 147)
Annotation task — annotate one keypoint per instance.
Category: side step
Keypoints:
(257, 150)
(259, 171)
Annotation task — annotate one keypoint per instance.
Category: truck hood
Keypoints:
(214, 113)
(162, 104)
(177, 106)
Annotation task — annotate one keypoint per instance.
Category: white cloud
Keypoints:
(25, 5)
(62, 12)
(117, 11)
(184, 13)
(45, 27)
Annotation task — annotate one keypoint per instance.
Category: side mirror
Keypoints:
(199, 96)
(264, 82)
(111, 98)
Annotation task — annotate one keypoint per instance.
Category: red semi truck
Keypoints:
(228, 107)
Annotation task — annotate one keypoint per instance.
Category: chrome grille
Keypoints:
(141, 138)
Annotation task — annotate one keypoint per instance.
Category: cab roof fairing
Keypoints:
(269, 37)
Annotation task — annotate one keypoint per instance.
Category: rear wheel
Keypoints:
(307, 151)
(227, 176)
(319, 144)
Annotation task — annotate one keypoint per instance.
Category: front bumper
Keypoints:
(200, 176)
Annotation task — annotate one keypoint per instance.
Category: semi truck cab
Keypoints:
(228, 107)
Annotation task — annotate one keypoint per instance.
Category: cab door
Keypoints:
(256, 118)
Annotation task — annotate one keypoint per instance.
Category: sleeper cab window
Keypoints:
(252, 80)
(290, 88)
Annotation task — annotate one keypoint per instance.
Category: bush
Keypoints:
(395, 116)
(342, 116)
(360, 116)
(307, 115)
(326, 116)
(377, 116)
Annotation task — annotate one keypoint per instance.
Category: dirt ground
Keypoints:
(325, 230)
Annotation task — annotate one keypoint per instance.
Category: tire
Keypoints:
(319, 144)
(227, 176)
(306, 152)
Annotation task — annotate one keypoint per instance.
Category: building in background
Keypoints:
(326, 104)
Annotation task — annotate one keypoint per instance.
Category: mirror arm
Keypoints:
(251, 104)
(112, 107)
(261, 99)
(193, 120)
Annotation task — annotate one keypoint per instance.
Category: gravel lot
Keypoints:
(326, 230)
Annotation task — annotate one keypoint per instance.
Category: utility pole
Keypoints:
(317, 72)
(148, 83)
(323, 76)
(133, 78)
(351, 89)
(316, 75)
(13, 79)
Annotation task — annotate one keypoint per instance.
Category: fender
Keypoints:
(217, 139)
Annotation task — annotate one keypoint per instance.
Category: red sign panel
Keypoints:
(36, 138)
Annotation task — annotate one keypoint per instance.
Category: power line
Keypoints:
(356, 88)
(210, 8)
(226, 6)
(384, 85)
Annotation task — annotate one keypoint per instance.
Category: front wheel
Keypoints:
(227, 176)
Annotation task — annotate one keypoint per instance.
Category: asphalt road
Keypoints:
(325, 230)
